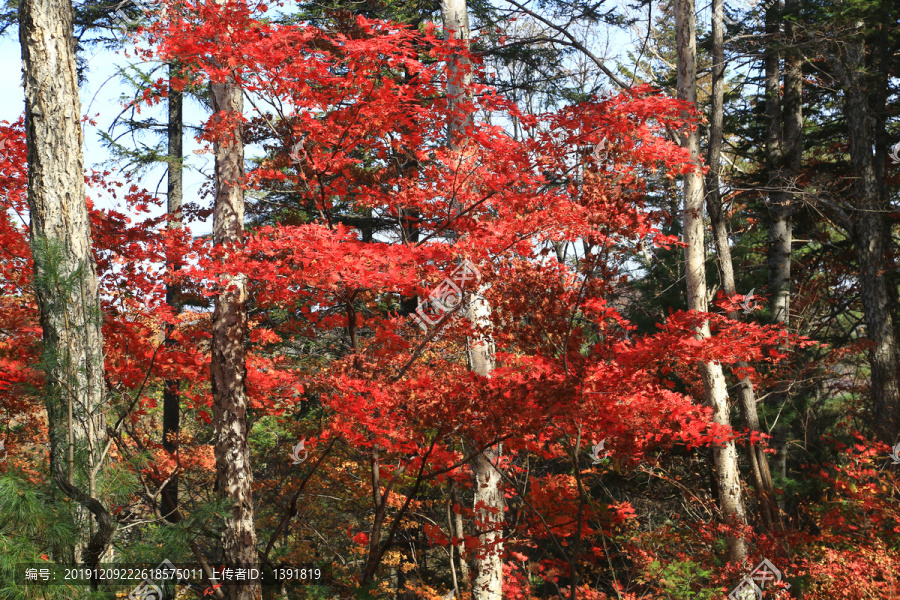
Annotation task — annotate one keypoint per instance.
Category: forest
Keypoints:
(451, 299)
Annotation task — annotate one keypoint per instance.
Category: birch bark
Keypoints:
(488, 502)
(724, 456)
(759, 465)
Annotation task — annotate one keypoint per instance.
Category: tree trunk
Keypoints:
(783, 158)
(870, 231)
(65, 271)
(779, 250)
(791, 145)
(458, 531)
(379, 500)
(489, 503)
(759, 465)
(175, 200)
(725, 456)
(459, 73)
(228, 366)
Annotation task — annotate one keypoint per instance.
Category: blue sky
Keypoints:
(100, 98)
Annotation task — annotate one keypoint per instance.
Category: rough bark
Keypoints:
(870, 230)
(724, 456)
(175, 200)
(780, 232)
(380, 502)
(792, 128)
(65, 271)
(228, 366)
(458, 531)
(785, 149)
(759, 465)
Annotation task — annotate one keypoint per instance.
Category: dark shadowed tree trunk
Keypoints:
(870, 229)
(792, 155)
(784, 152)
(779, 250)
(228, 366)
(457, 530)
(65, 272)
(175, 200)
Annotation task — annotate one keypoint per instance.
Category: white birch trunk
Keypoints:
(725, 456)
(459, 73)
(759, 465)
(489, 503)
(489, 511)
